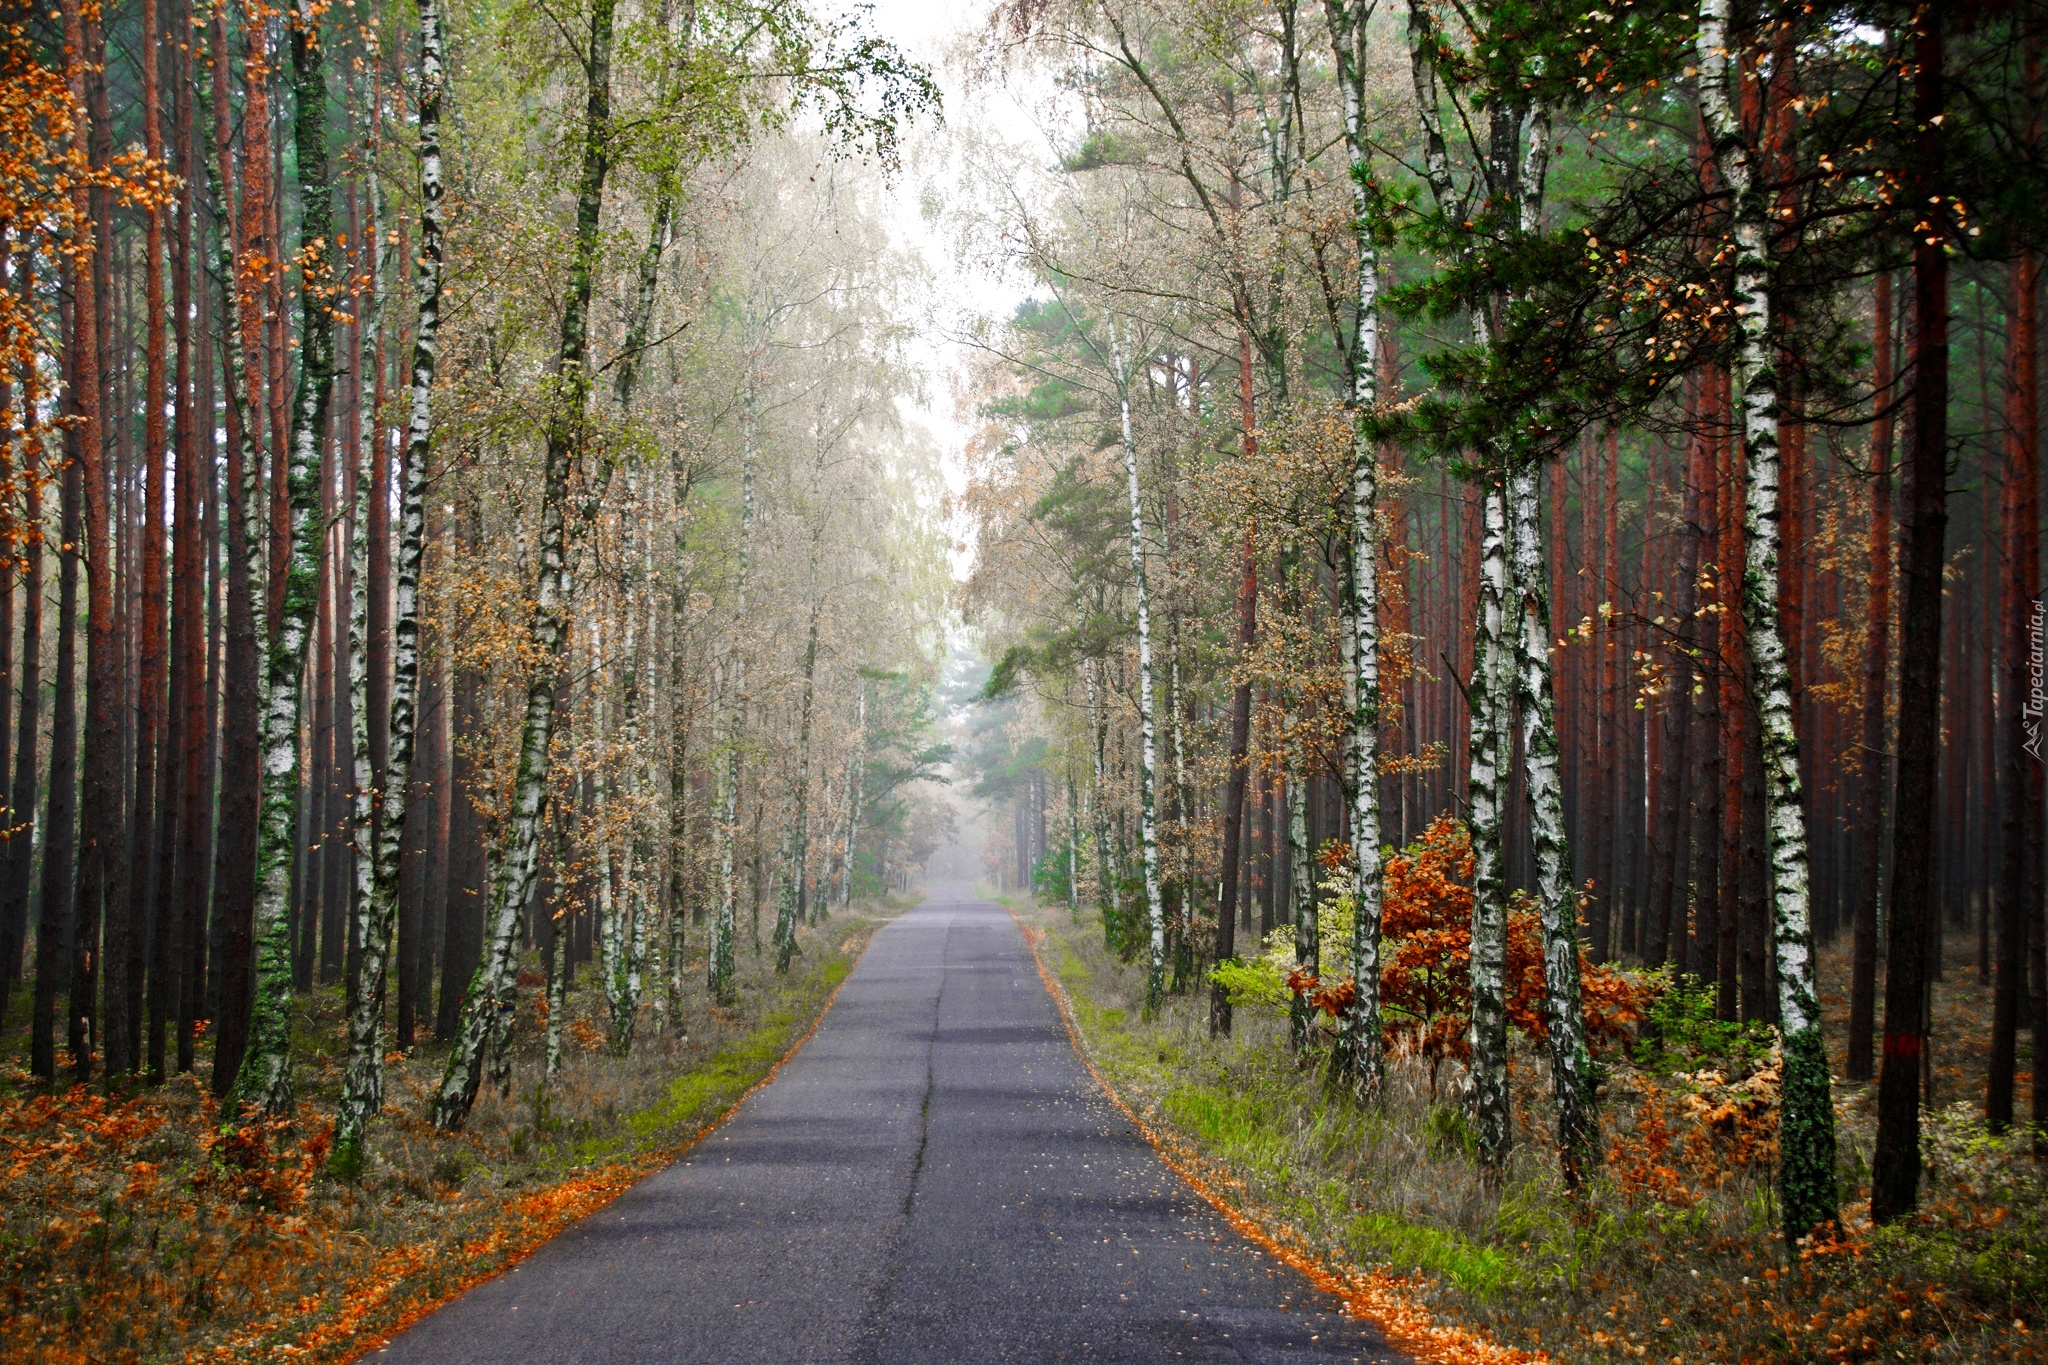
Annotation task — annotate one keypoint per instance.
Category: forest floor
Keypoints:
(1671, 1254)
(132, 1229)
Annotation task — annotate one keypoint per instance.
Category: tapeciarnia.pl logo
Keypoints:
(2037, 699)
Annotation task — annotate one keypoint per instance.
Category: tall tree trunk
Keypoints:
(234, 891)
(857, 786)
(1612, 851)
(462, 941)
(1105, 859)
(320, 940)
(1735, 726)
(56, 924)
(490, 990)
(1487, 1099)
(1073, 850)
(1667, 887)
(723, 989)
(1572, 1074)
(1806, 1170)
(800, 835)
(23, 542)
(1240, 717)
(402, 720)
(1895, 1168)
(1148, 769)
(1308, 945)
(2019, 730)
(102, 738)
(183, 843)
(19, 866)
(140, 911)
(265, 1078)
(1356, 1060)
(384, 789)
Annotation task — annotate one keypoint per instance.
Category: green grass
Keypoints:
(726, 1075)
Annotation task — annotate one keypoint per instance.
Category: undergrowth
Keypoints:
(1672, 1254)
(132, 1229)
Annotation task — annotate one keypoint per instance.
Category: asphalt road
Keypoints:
(934, 1177)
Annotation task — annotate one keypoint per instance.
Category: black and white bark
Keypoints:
(1148, 816)
(264, 1082)
(362, 1080)
(1308, 943)
(1572, 1076)
(1357, 1060)
(487, 1005)
(723, 988)
(1491, 693)
(1109, 901)
(1808, 1196)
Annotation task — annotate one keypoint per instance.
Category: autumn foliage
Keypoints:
(1426, 948)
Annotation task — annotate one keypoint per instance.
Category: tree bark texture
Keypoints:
(1806, 1168)
(264, 1081)
(1895, 1164)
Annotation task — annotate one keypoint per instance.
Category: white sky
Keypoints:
(936, 172)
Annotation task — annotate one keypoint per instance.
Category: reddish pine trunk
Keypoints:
(147, 603)
(234, 876)
(102, 727)
(1614, 728)
(1735, 719)
(16, 869)
(2019, 873)
(1706, 779)
(1895, 1169)
(1876, 662)
(466, 880)
(181, 841)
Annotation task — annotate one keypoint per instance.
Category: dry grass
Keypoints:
(132, 1229)
(1672, 1255)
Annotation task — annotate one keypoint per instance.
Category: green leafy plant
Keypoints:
(1680, 1029)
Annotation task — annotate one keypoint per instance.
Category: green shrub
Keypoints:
(1680, 1030)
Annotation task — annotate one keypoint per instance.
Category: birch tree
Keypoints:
(1487, 1098)
(1356, 1060)
(487, 1003)
(1148, 816)
(1806, 1165)
(264, 1082)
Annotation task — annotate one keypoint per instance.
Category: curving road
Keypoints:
(934, 1177)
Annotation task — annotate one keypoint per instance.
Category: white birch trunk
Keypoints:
(1073, 848)
(1357, 1059)
(1487, 1100)
(722, 985)
(265, 1079)
(1572, 1075)
(558, 971)
(1808, 1194)
(1105, 857)
(1308, 944)
(362, 1081)
(487, 1005)
(1148, 831)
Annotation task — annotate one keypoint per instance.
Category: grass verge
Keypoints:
(1671, 1255)
(131, 1229)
